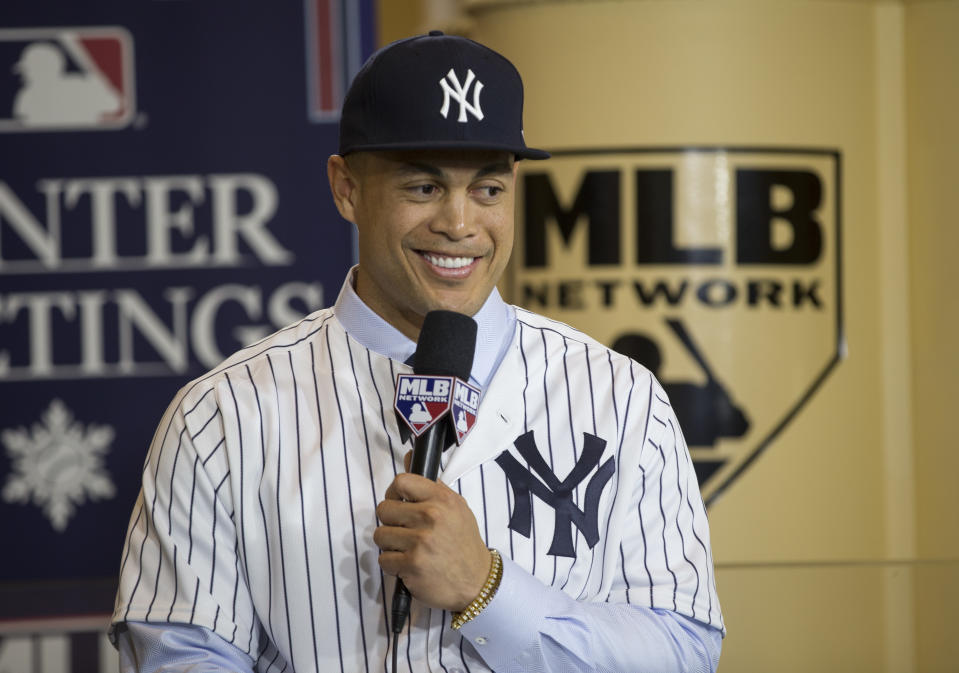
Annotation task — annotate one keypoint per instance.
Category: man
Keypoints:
(276, 512)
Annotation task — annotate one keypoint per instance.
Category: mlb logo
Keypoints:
(718, 268)
(422, 400)
(66, 79)
(464, 408)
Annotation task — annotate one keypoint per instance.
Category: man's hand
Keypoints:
(428, 537)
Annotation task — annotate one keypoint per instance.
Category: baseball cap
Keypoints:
(435, 91)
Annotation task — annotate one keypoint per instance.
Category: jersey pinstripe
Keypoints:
(257, 509)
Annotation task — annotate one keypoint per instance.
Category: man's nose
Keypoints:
(454, 219)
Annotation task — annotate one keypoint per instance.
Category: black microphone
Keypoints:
(445, 348)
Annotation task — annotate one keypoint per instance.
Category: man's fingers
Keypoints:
(405, 514)
(391, 562)
(399, 549)
(398, 513)
(392, 512)
(393, 538)
(412, 488)
(401, 564)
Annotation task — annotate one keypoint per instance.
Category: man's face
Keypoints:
(435, 228)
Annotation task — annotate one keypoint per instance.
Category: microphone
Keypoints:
(445, 348)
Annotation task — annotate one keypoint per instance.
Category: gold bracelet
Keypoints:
(485, 595)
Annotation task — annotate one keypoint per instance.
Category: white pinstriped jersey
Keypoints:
(257, 514)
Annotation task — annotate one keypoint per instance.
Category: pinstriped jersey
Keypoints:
(257, 511)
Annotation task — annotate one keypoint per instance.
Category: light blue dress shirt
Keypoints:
(587, 637)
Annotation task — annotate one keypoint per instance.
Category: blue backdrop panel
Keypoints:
(163, 202)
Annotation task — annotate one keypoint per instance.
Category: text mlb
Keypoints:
(436, 389)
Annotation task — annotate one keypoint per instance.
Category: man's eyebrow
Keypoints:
(412, 167)
(494, 169)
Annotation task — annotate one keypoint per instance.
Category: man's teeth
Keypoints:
(449, 262)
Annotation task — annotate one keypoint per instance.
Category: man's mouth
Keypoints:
(447, 262)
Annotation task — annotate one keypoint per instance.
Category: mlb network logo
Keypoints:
(66, 79)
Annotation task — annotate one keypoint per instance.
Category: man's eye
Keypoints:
(491, 191)
(424, 190)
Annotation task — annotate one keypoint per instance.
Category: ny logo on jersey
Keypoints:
(453, 89)
(556, 494)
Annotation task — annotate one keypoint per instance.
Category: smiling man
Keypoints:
(436, 228)
(566, 533)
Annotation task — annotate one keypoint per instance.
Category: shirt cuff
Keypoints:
(174, 647)
(509, 625)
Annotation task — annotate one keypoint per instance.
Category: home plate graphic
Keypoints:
(464, 408)
(422, 400)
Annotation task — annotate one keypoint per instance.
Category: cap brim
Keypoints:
(519, 152)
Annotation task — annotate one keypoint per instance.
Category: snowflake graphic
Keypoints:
(58, 464)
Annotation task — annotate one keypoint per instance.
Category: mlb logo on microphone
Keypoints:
(422, 400)
(66, 79)
(464, 408)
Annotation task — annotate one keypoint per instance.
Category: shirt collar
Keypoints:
(495, 323)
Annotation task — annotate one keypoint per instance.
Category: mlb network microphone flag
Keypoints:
(158, 211)
(421, 401)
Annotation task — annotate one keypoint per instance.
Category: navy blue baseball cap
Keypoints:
(435, 91)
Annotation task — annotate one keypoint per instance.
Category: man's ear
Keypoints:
(343, 185)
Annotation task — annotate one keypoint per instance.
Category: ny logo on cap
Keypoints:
(453, 89)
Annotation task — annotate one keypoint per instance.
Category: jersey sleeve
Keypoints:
(665, 554)
(180, 562)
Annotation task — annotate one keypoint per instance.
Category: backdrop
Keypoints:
(162, 203)
(755, 199)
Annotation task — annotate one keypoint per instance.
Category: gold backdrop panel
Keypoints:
(708, 265)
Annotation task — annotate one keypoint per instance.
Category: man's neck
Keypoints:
(495, 322)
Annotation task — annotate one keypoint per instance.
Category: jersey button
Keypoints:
(481, 640)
